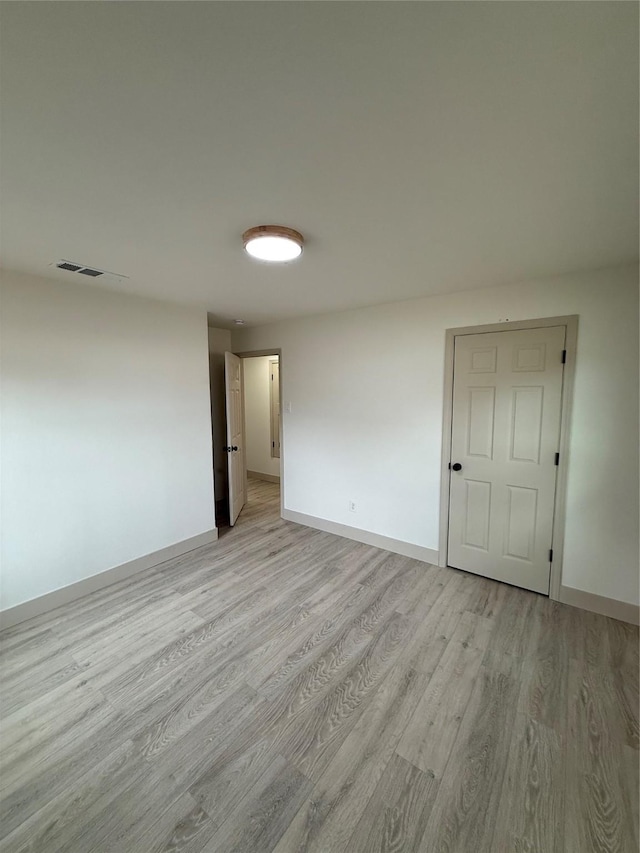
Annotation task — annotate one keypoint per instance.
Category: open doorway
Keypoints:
(261, 381)
(253, 446)
(262, 417)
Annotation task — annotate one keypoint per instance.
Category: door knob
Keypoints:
(456, 466)
(234, 447)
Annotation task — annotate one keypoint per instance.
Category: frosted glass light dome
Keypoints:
(273, 243)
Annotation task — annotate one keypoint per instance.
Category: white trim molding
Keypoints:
(623, 611)
(258, 475)
(386, 543)
(44, 603)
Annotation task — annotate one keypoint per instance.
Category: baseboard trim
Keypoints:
(621, 610)
(257, 475)
(50, 600)
(396, 546)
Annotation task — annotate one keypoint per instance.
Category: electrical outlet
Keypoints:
(352, 506)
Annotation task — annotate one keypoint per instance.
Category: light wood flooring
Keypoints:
(288, 690)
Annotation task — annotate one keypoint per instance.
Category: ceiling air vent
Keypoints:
(92, 272)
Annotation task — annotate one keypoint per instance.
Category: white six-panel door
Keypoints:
(507, 396)
(235, 433)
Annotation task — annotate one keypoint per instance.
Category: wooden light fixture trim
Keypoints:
(272, 231)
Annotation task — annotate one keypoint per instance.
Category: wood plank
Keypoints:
(396, 817)
(532, 804)
(431, 732)
(187, 755)
(465, 808)
(193, 655)
(147, 804)
(440, 618)
(38, 680)
(185, 708)
(516, 623)
(47, 726)
(52, 826)
(331, 643)
(18, 658)
(316, 738)
(260, 819)
(231, 776)
(328, 818)
(545, 672)
(189, 835)
(601, 792)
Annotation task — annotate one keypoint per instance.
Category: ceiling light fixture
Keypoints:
(274, 243)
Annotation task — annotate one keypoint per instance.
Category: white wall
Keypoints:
(219, 343)
(366, 419)
(257, 415)
(106, 431)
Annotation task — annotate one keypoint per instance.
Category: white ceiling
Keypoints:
(420, 147)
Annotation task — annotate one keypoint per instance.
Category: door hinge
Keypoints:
(273, 444)
(551, 555)
(557, 458)
(564, 356)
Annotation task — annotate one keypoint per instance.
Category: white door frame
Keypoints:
(256, 354)
(557, 542)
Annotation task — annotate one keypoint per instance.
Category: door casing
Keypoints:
(571, 324)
